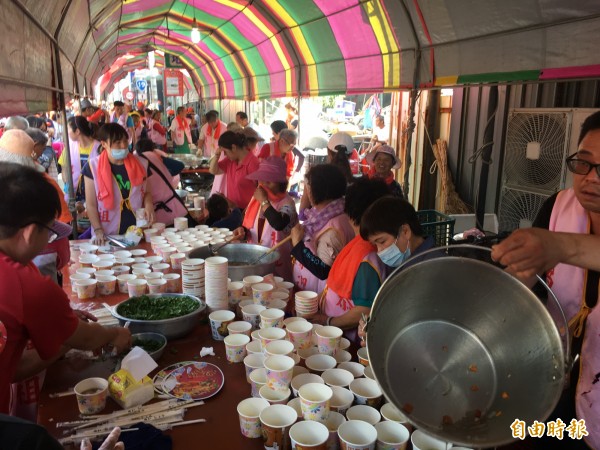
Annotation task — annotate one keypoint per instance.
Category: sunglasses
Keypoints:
(581, 166)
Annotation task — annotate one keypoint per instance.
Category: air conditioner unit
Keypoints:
(537, 144)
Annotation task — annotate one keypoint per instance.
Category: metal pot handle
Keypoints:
(569, 362)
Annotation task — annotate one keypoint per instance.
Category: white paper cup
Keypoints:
(309, 435)
(270, 334)
(235, 347)
(333, 422)
(276, 421)
(357, 435)
(120, 270)
(122, 281)
(88, 248)
(320, 363)
(142, 265)
(279, 347)
(106, 284)
(328, 339)
(173, 282)
(341, 399)
(86, 270)
(254, 347)
(315, 398)
(261, 293)
(91, 395)
(304, 378)
(392, 435)
(140, 273)
(271, 318)
(299, 370)
(153, 276)
(272, 396)
(337, 377)
(79, 276)
(157, 286)
(393, 414)
(295, 403)
(122, 254)
(180, 223)
(342, 356)
(219, 320)
(86, 289)
(293, 319)
(300, 333)
(176, 260)
(279, 372)
(161, 267)
(103, 264)
(251, 314)
(149, 232)
(422, 441)
(249, 413)
(137, 287)
(363, 356)
(366, 392)
(365, 413)
(239, 327)
(252, 362)
(154, 259)
(249, 281)
(356, 369)
(258, 378)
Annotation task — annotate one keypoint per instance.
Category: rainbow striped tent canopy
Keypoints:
(251, 49)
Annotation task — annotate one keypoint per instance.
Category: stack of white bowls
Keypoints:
(192, 277)
(216, 270)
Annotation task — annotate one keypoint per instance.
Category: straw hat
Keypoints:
(388, 150)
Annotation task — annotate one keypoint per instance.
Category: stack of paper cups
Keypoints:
(192, 277)
(306, 303)
(216, 271)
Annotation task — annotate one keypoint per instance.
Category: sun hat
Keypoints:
(18, 142)
(341, 138)
(387, 150)
(272, 169)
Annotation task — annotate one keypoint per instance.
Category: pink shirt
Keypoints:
(239, 189)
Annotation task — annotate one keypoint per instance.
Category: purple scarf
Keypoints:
(317, 219)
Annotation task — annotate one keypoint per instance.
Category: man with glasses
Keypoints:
(575, 210)
(32, 307)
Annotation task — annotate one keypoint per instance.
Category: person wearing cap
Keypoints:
(92, 113)
(121, 117)
(382, 161)
(180, 132)
(343, 142)
(32, 307)
(357, 272)
(271, 213)
(237, 164)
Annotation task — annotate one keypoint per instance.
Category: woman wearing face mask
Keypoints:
(115, 185)
(271, 213)
(391, 224)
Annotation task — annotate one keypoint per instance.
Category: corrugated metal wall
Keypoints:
(469, 121)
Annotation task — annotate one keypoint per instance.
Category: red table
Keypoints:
(221, 429)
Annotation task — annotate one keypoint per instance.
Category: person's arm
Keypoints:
(530, 251)
(214, 167)
(91, 202)
(279, 220)
(31, 363)
(149, 204)
(91, 336)
(312, 262)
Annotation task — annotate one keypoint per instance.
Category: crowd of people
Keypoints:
(343, 237)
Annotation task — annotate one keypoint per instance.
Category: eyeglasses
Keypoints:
(581, 166)
(52, 235)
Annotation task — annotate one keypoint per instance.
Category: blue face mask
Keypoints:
(119, 153)
(392, 256)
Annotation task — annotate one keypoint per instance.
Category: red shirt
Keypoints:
(32, 307)
(267, 151)
(239, 188)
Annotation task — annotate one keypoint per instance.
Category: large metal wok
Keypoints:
(239, 256)
(464, 349)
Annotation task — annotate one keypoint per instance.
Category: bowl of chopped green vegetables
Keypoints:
(153, 343)
(172, 315)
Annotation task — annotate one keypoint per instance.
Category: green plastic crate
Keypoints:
(438, 225)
